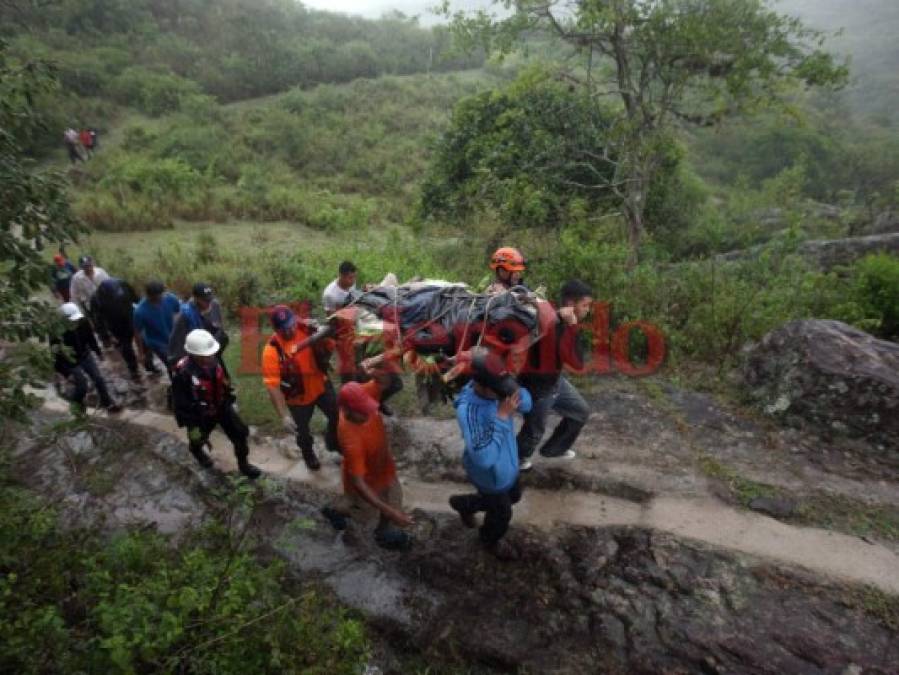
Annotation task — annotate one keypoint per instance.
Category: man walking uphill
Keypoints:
(154, 319)
(73, 359)
(202, 398)
(484, 409)
(371, 490)
(297, 383)
(201, 311)
(113, 308)
(542, 375)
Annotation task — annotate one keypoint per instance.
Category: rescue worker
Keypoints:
(372, 495)
(508, 265)
(298, 383)
(203, 398)
(73, 359)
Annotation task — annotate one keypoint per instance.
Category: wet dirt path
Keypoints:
(705, 519)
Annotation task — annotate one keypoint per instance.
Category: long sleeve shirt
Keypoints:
(83, 287)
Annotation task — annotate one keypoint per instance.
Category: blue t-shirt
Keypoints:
(155, 322)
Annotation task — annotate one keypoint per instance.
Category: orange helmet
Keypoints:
(509, 259)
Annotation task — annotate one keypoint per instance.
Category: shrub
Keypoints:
(152, 92)
(877, 292)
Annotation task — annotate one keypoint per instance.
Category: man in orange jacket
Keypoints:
(297, 383)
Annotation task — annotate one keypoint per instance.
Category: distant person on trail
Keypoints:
(371, 491)
(87, 142)
(82, 289)
(113, 306)
(508, 265)
(73, 142)
(297, 382)
(202, 398)
(73, 359)
(61, 274)
(551, 390)
(154, 320)
(484, 410)
(201, 311)
(336, 293)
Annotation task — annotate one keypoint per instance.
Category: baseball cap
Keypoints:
(71, 311)
(282, 317)
(203, 290)
(58, 259)
(84, 261)
(352, 396)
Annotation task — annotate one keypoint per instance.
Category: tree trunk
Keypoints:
(634, 206)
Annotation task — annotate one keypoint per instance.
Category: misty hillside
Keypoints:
(869, 30)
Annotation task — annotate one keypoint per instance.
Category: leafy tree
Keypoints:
(34, 212)
(666, 62)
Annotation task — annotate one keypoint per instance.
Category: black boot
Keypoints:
(311, 459)
(247, 469)
(203, 459)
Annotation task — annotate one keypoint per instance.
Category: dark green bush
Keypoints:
(877, 292)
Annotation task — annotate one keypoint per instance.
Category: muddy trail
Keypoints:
(631, 561)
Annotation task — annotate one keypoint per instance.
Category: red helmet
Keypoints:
(509, 259)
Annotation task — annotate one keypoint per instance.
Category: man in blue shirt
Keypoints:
(484, 409)
(154, 318)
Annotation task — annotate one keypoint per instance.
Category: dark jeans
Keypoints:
(566, 401)
(87, 367)
(302, 414)
(235, 429)
(161, 353)
(97, 322)
(497, 510)
(125, 338)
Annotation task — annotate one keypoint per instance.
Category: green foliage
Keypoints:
(73, 600)
(153, 93)
(34, 213)
(877, 293)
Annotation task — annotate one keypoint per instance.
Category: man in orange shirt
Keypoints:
(297, 384)
(371, 491)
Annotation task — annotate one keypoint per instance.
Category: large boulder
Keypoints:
(830, 376)
(828, 253)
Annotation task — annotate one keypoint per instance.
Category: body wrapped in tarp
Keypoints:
(430, 322)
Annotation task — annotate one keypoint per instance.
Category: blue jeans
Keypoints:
(87, 367)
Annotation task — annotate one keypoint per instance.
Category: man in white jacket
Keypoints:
(82, 288)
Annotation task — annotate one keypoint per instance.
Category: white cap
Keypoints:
(71, 311)
(200, 342)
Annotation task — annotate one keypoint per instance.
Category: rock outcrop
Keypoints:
(828, 253)
(831, 376)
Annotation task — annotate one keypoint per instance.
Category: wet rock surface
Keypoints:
(617, 599)
(831, 377)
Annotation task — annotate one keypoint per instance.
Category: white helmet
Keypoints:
(71, 311)
(200, 342)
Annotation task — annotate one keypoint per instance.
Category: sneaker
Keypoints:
(113, 408)
(203, 459)
(336, 518)
(386, 410)
(568, 454)
(525, 465)
(503, 550)
(467, 517)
